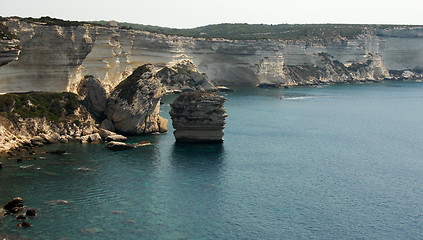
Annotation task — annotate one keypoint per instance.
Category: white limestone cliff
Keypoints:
(54, 58)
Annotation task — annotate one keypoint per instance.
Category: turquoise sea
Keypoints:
(333, 162)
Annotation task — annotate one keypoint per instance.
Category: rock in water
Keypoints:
(118, 146)
(134, 104)
(15, 205)
(198, 117)
(31, 212)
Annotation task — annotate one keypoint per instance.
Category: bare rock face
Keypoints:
(133, 106)
(184, 76)
(198, 117)
(93, 96)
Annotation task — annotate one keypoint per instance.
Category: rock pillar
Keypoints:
(198, 117)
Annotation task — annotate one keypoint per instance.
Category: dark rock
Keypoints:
(268, 85)
(21, 217)
(118, 146)
(24, 225)
(57, 152)
(93, 96)
(198, 117)
(1, 165)
(31, 212)
(15, 205)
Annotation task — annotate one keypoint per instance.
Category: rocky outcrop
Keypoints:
(133, 106)
(35, 119)
(198, 117)
(184, 76)
(45, 57)
(93, 96)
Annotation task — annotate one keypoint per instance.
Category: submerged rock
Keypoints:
(57, 152)
(31, 212)
(14, 206)
(21, 217)
(268, 85)
(198, 117)
(119, 146)
(24, 225)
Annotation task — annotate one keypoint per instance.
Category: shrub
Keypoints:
(52, 106)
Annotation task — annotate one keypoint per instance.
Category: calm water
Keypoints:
(337, 162)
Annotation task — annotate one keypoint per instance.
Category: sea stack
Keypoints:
(198, 116)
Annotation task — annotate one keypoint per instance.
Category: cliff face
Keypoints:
(55, 58)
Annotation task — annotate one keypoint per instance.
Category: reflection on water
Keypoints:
(198, 154)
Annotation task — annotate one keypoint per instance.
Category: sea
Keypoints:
(327, 162)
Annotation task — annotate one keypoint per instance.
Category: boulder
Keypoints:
(37, 141)
(14, 206)
(118, 146)
(116, 138)
(51, 138)
(21, 217)
(95, 138)
(198, 117)
(63, 139)
(105, 133)
(24, 225)
(84, 139)
(31, 212)
(93, 96)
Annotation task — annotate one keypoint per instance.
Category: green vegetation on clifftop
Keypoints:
(128, 87)
(243, 31)
(53, 106)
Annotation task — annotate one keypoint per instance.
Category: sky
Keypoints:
(194, 13)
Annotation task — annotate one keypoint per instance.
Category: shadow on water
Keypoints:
(192, 155)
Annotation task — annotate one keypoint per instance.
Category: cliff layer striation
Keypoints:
(198, 117)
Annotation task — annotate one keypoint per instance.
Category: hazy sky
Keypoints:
(193, 13)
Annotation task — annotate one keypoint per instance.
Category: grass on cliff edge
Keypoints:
(53, 106)
(128, 87)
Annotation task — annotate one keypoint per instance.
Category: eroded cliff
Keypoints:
(198, 117)
(46, 57)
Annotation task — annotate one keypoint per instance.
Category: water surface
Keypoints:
(334, 162)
